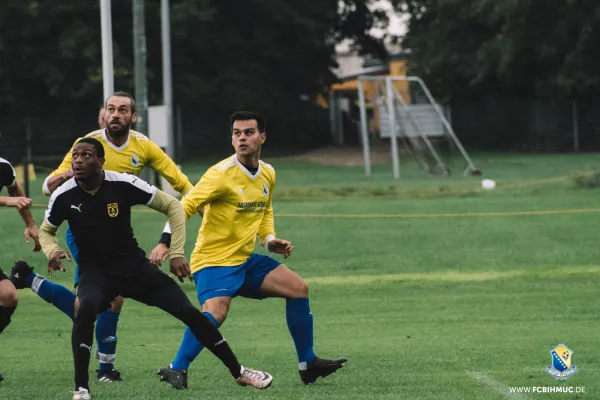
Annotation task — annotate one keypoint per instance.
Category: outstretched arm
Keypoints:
(31, 230)
(167, 168)
(209, 188)
(173, 209)
(60, 175)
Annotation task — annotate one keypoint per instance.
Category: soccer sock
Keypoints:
(82, 339)
(106, 338)
(209, 335)
(55, 294)
(300, 323)
(5, 314)
(190, 347)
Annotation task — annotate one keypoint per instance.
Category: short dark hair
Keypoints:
(123, 94)
(97, 145)
(245, 116)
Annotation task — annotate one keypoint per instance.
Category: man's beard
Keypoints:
(119, 133)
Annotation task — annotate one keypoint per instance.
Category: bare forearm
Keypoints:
(53, 182)
(17, 191)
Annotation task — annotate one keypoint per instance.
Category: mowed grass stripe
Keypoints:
(416, 216)
(456, 276)
(495, 385)
(444, 276)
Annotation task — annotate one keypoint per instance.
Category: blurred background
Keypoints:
(508, 75)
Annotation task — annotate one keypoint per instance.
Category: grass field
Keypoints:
(433, 289)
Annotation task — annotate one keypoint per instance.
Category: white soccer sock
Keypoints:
(37, 282)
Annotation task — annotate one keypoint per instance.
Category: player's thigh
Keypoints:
(157, 289)
(283, 282)
(8, 293)
(95, 293)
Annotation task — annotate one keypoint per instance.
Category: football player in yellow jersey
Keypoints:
(126, 151)
(236, 195)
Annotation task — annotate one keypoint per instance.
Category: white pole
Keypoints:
(363, 128)
(167, 75)
(389, 94)
(108, 79)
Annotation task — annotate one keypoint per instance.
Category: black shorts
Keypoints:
(139, 280)
(2, 275)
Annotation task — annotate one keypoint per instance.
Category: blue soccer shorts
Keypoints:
(242, 280)
(75, 253)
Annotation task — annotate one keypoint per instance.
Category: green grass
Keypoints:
(427, 307)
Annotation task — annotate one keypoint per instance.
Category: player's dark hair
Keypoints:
(246, 116)
(123, 94)
(97, 145)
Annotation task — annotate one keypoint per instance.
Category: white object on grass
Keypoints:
(488, 184)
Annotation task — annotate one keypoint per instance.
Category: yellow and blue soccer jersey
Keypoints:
(237, 207)
(136, 153)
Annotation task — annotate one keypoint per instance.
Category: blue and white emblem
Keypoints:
(265, 190)
(561, 367)
(135, 160)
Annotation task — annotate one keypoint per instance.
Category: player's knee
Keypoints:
(12, 299)
(86, 311)
(117, 304)
(8, 295)
(218, 310)
(300, 289)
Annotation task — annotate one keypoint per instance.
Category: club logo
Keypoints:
(135, 160)
(561, 367)
(113, 209)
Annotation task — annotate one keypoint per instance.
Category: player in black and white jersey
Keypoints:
(97, 205)
(16, 198)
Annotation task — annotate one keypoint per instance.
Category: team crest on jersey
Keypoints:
(113, 209)
(135, 160)
(265, 190)
(561, 367)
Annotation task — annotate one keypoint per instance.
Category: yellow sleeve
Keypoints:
(65, 165)
(266, 230)
(209, 188)
(163, 164)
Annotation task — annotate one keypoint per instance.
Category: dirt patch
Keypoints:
(345, 156)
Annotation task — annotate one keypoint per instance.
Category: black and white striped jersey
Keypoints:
(101, 222)
(7, 174)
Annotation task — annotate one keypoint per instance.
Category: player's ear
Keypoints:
(101, 160)
(263, 137)
(133, 118)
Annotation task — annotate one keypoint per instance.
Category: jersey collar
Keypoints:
(248, 173)
(109, 143)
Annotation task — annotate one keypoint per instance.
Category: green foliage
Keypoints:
(525, 47)
(272, 57)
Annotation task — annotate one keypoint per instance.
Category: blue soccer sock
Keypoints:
(190, 347)
(106, 338)
(300, 323)
(55, 294)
